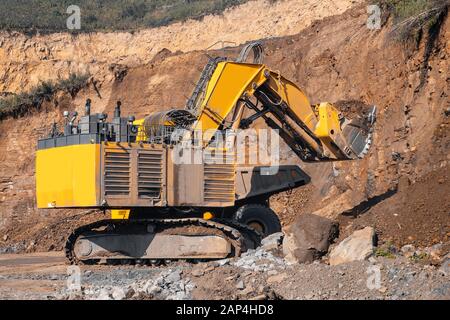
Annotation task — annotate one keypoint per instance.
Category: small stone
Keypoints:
(272, 272)
(436, 251)
(210, 268)
(153, 290)
(240, 285)
(309, 296)
(118, 294)
(5, 237)
(197, 272)
(408, 250)
(277, 278)
(173, 277)
(104, 295)
(382, 289)
(230, 278)
(31, 245)
(130, 293)
(223, 262)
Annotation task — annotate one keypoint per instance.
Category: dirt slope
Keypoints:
(417, 214)
(335, 59)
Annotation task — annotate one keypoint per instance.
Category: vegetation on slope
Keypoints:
(19, 104)
(415, 20)
(414, 17)
(48, 16)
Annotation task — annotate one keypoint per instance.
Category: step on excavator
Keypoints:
(172, 188)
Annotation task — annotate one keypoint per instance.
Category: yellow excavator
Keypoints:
(171, 182)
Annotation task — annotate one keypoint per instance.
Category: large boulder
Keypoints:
(308, 238)
(359, 246)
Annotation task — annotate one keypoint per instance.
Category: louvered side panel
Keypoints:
(150, 174)
(219, 180)
(117, 172)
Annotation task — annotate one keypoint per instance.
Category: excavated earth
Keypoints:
(401, 188)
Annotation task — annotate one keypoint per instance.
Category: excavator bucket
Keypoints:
(358, 132)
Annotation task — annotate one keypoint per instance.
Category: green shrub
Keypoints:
(17, 105)
(405, 9)
(387, 250)
(421, 256)
(73, 84)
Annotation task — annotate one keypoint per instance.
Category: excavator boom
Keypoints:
(315, 133)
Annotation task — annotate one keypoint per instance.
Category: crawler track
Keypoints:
(240, 236)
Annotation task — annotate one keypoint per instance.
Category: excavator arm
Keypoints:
(315, 133)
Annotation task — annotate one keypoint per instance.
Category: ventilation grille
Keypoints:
(150, 172)
(219, 180)
(117, 173)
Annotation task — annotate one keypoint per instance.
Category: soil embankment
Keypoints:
(334, 59)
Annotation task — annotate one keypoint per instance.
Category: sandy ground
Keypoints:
(256, 275)
(31, 276)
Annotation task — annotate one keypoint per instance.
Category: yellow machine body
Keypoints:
(121, 175)
(68, 176)
(120, 214)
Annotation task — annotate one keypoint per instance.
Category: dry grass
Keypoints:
(414, 17)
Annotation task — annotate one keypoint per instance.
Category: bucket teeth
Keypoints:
(369, 122)
(358, 134)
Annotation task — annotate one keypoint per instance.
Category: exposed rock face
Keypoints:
(320, 59)
(25, 61)
(309, 238)
(359, 246)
